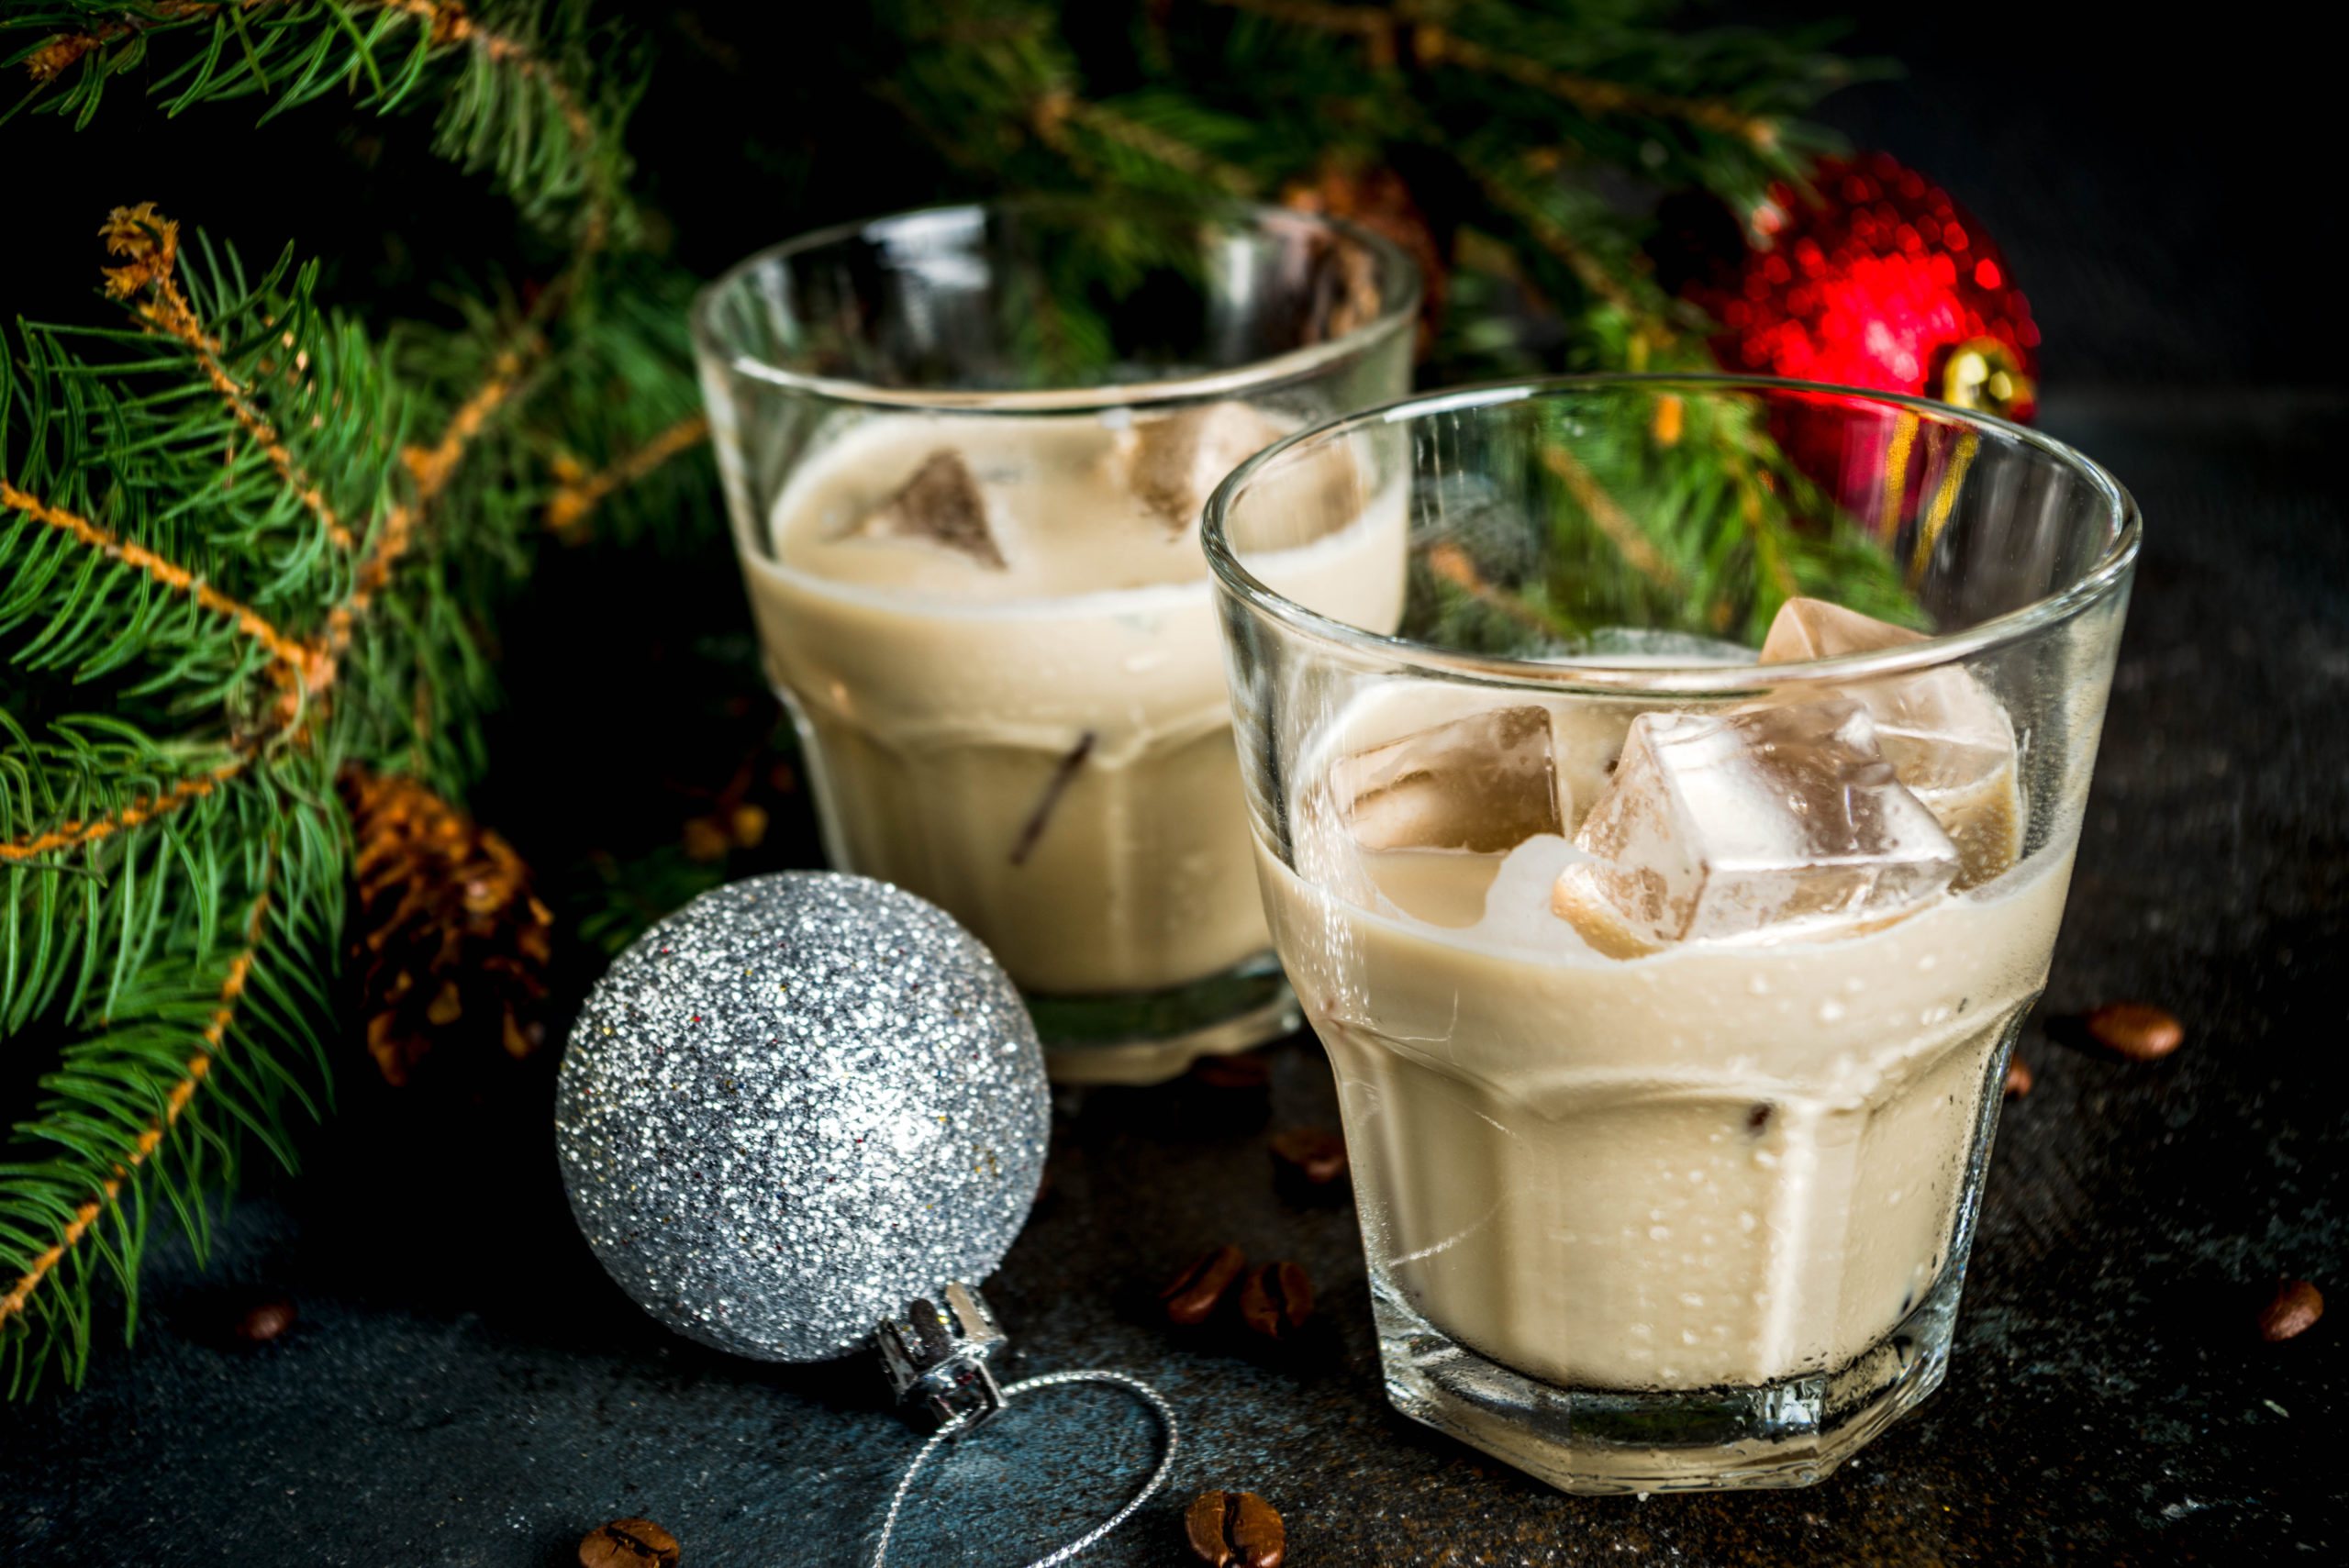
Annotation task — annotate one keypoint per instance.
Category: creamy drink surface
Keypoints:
(1044, 746)
(1720, 1163)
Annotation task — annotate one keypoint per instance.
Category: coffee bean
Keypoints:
(2018, 1078)
(2137, 1032)
(1318, 1154)
(2295, 1310)
(1277, 1300)
(265, 1322)
(1249, 1072)
(628, 1543)
(1235, 1529)
(1191, 1296)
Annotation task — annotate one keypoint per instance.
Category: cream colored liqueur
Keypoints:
(997, 632)
(1631, 1102)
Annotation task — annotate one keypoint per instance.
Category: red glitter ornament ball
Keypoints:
(1880, 281)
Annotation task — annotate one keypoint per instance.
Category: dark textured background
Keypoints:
(464, 1387)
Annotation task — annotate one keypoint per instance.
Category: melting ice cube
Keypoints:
(1485, 783)
(1947, 737)
(1173, 464)
(940, 504)
(1776, 822)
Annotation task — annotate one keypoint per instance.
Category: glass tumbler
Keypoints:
(1669, 884)
(966, 451)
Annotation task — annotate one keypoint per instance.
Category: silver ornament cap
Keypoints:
(795, 1106)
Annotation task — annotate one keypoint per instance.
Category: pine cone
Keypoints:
(452, 946)
(1378, 199)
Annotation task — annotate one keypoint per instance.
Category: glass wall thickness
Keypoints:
(1668, 1133)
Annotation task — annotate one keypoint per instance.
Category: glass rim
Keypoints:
(2103, 579)
(1397, 315)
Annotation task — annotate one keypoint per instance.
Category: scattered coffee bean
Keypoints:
(1319, 1154)
(1235, 1529)
(2019, 1078)
(1247, 1072)
(265, 1322)
(1191, 1296)
(630, 1543)
(2295, 1310)
(2137, 1032)
(1277, 1300)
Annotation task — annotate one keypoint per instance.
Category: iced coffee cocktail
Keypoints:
(975, 566)
(1669, 981)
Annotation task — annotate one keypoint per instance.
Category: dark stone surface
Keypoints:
(464, 1387)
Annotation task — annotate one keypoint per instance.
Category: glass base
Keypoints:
(1150, 1036)
(1789, 1433)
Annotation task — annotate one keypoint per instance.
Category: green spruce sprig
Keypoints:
(246, 547)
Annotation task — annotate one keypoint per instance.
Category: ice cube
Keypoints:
(1174, 463)
(1943, 733)
(1780, 822)
(942, 504)
(1484, 784)
(1814, 629)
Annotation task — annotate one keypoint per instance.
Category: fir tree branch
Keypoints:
(1375, 24)
(1059, 108)
(297, 659)
(431, 467)
(577, 497)
(153, 241)
(448, 24)
(1454, 565)
(1553, 237)
(1612, 520)
(1434, 44)
(73, 835)
(198, 1068)
(295, 50)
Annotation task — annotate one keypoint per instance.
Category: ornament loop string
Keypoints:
(1142, 1390)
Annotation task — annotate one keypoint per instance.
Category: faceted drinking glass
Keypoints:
(966, 451)
(1667, 880)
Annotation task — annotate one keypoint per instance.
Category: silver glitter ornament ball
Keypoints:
(793, 1106)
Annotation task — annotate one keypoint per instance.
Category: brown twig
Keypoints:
(1432, 44)
(1553, 237)
(1375, 25)
(1612, 520)
(71, 834)
(449, 25)
(298, 658)
(430, 467)
(577, 497)
(445, 20)
(1450, 562)
(64, 50)
(152, 242)
(1060, 108)
(159, 1127)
